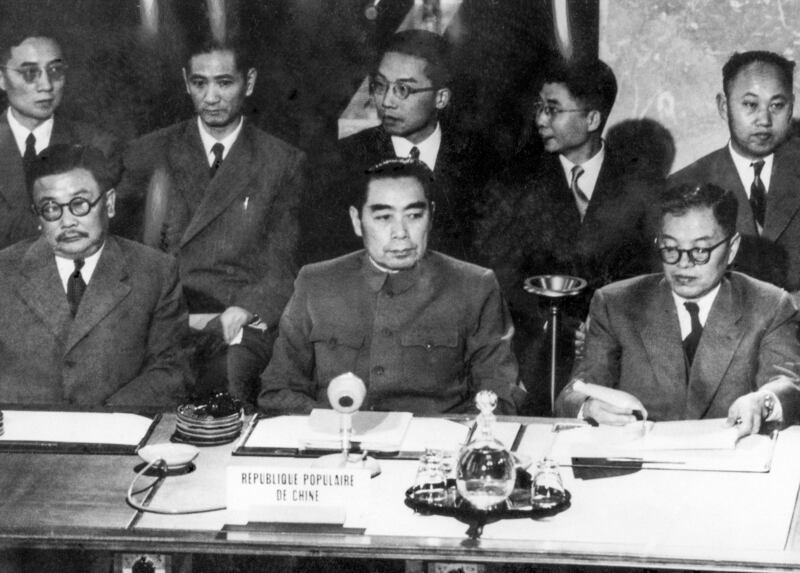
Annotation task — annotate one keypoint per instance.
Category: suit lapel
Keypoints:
(720, 340)
(12, 177)
(226, 186)
(783, 198)
(41, 289)
(661, 337)
(108, 286)
(725, 173)
(62, 132)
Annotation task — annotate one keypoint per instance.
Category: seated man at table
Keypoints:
(89, 319)
(696, 341)
(423, 330)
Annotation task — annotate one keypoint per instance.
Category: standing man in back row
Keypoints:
(222, 196)
(577, 210)
(32, 76)
(760, 165)
(410, 91)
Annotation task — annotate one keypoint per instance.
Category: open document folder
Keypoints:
(680, 445)
(84, 432)
(293, 435)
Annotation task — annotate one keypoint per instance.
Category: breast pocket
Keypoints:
(435, 355)
(336, 350)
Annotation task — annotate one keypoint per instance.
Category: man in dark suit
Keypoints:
(759, 164)
(410, 91)
(694, 341)
(222, 196)
(573, 211)
(32, 76)
(88, 318)
(423, 330)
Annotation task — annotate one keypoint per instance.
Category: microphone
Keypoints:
(346, 393)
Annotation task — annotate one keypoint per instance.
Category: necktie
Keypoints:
(30, 151)
(217, 150)
(758, 194)
(581, 200)
(75, 287)
(414, 153)
(690, 342)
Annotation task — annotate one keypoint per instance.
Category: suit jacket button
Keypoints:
(333, 342)
(378, 370)
(69, 363)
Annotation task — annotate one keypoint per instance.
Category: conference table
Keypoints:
(698, 520)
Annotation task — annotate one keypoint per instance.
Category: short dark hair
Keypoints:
(678, 200)
(590, 81)
(11, 38)
(395, 169)
(63, 158)
(738, 61)
(425, 45)
(242, 58)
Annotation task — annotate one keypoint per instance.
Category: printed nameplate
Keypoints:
(281, 488)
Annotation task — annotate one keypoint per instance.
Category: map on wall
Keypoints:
(668, 57)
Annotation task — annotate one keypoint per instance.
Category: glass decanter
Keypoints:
(486, 470)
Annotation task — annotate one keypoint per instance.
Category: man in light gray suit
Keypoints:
(33, 76)
(88, 319)
(695, 341)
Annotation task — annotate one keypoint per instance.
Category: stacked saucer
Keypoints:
(2, 428)
(206, 425)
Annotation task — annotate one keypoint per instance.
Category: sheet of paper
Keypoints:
(377, 431)
(692, 444)
(436, 433)
(74, 427)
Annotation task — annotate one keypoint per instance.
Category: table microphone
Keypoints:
(346, 394)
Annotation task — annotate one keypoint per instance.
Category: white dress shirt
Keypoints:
(67, 266)
(428, 149)
(745, 169)
(209, 140)
(591, 171)
(42, 133)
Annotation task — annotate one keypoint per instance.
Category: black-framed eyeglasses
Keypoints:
(697, 255)
(400, 90)
(52, 210)
(550, 110)
(31, 74)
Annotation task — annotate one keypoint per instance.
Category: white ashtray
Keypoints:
(176, 456)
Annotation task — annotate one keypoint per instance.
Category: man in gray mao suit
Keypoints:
(89, 319)
(696, 341)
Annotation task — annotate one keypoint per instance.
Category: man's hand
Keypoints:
(580, 341)
(748, 412)
(611, 414)
(233, 320)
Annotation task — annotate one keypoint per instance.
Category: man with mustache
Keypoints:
(410, 91)
(33, 76)
(423, 330)
(222, 197)
(760, 165)
(89, 319)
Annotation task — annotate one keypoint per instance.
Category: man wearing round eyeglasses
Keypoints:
(410, 91)
(576, 209)
(89, 319)
(696, 341)
(33, 76)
